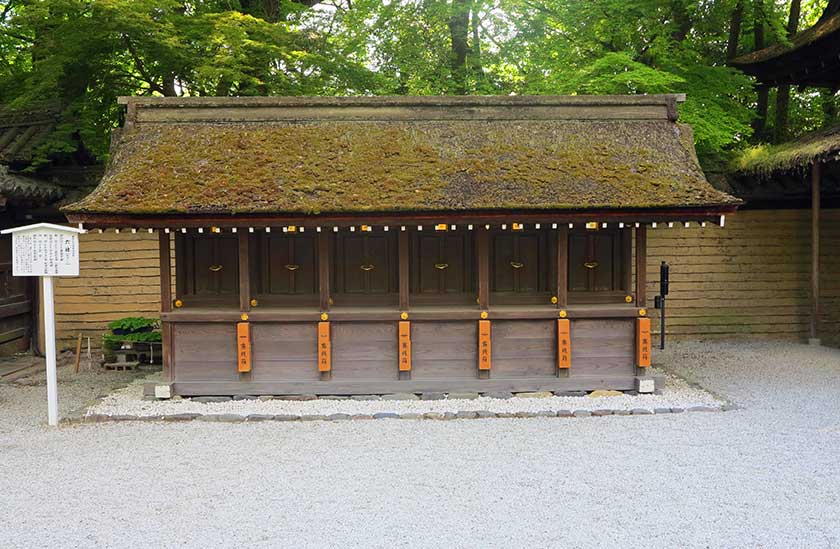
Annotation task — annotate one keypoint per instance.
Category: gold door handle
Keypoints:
(441, 266)
(215, 268)
(516, 264)
(590, 264)
(292, 267)
(367, 267)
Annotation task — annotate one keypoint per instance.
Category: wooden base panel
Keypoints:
(580, 383)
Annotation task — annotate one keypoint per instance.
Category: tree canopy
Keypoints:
(79, 55)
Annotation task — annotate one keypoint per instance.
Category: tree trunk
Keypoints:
(735, 30)
(780, 128)
(760, 122)
(459, 27)
(682, 20)
(477, 68)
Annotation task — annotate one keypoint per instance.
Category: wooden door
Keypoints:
(365, 267)
(207, 269)
(15, 304)
(597, 262)
(289, 265)
(442, 264)
(520, 263)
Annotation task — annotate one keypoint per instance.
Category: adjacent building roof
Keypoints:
(22, 130)
(766, 160)
(20, 187)
(321, 156)
(812, 58)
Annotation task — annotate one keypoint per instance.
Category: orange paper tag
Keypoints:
(243, 346)
(324, 347)
(564, 344)
(643, 343)
(484, 348)
(405, 345)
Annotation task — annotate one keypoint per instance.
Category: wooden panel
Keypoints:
(285, 352)
(404, 343)
(603, 347)
(524, 348)
(324, 347)
(564, 345)
(204, 352)
(485, 348)
(364, 350)
(243, 346)
(443, 350)
(643, 343)
(747, 279)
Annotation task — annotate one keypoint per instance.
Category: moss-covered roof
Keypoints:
(353, 166)
(766, 160)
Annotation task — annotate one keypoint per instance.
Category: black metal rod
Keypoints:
(662, 325)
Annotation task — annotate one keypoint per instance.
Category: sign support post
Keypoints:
(46, 250)
(49, 337)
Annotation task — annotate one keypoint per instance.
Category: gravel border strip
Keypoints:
(473, 414)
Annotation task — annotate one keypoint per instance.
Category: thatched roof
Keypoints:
(766, 160)
(811, 58)
(309, 156)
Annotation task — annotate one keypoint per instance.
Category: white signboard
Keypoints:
(45, 252)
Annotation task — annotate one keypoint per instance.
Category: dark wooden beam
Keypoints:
(815, 251)
(627, 258)
(403, 218)
(165, 264)
(562, 290)
(165, 272)
(324, 270)
(483, 260)
(641, 266)
(244, 272)
(403, 270)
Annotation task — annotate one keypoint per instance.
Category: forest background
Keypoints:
(78, 55)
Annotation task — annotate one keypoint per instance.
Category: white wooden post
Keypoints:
(49, 337)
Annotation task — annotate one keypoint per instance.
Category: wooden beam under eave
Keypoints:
(815, 252)
(244, 272)
(641, 266)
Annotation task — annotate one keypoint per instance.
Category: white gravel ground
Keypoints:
(767, 475)
(128, 401)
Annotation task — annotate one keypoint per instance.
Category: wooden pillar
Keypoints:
(244, 273)
(562, 290)
(403, 270)
(165, 264)
(815, 252)
(641, 266)
(324, 269)
(483, 251)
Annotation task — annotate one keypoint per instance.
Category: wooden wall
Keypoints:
(119, 277)
(750, 278)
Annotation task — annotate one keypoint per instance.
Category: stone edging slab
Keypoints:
(477, 414)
